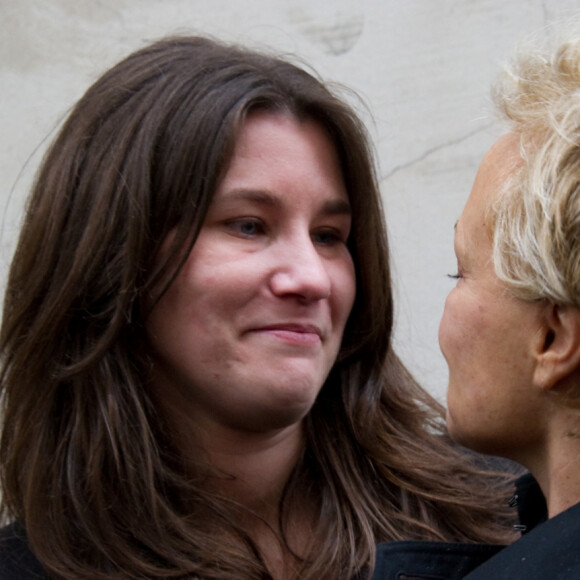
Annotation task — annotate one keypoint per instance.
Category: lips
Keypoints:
(297, 333)
(293, 327)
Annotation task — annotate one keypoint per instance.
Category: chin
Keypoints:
(460, 435)
(274, 420)
(281, 413)
(475, 441)
(292, 387)
(279, 403)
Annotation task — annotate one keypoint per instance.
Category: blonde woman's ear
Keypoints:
(558, 347)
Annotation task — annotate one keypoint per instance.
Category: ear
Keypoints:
(558, 348)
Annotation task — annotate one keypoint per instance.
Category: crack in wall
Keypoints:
(435, 149)
(335, 32)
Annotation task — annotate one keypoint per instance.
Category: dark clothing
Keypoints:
(531, 504)
(17, 562)
(548, 549)
(442, 561)
(547, 552)
(429, 560)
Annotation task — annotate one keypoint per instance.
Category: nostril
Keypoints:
(308, 283)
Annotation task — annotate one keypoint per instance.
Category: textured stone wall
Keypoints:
(422, 67)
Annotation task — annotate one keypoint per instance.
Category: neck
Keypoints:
(251, 468)
(557, 468)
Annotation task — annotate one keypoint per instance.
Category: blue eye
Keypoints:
(247, 227)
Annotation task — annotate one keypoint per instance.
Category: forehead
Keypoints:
(500, 162)
(276, 149)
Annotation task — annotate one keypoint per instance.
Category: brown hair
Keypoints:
(86, 464)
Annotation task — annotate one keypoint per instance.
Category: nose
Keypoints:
(300, 270)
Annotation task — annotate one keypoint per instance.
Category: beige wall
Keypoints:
(424, 68)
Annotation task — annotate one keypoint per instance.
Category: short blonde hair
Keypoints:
(536, 219)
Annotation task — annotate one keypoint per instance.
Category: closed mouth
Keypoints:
(293, 327)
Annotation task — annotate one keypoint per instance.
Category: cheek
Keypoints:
(164, 323)
(344, 289)
(449, 325)
(464, 332)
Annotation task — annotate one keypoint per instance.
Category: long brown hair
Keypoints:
(87, 465)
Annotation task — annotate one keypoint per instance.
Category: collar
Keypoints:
(530, 502)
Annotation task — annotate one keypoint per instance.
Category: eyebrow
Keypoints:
(337, 207)
(264, 197)
(257, 196)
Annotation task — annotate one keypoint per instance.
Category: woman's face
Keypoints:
(487, 336)
(250, 328)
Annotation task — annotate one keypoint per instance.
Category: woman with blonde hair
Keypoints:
(197, 373)
(511, 328)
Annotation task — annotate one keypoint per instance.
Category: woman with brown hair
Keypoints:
(197, 373)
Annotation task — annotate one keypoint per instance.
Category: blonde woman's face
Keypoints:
(487, 336)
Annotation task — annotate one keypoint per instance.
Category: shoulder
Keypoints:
(17, 562)
(550, 550)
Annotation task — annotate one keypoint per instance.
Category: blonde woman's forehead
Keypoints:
(499, 164)
(474, 225)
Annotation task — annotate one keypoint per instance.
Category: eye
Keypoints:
(247, 227)
(459, 274)
(329, 237)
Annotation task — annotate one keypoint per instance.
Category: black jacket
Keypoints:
(429, 560)
(441, 561)
(547, 552)
(16, 560)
